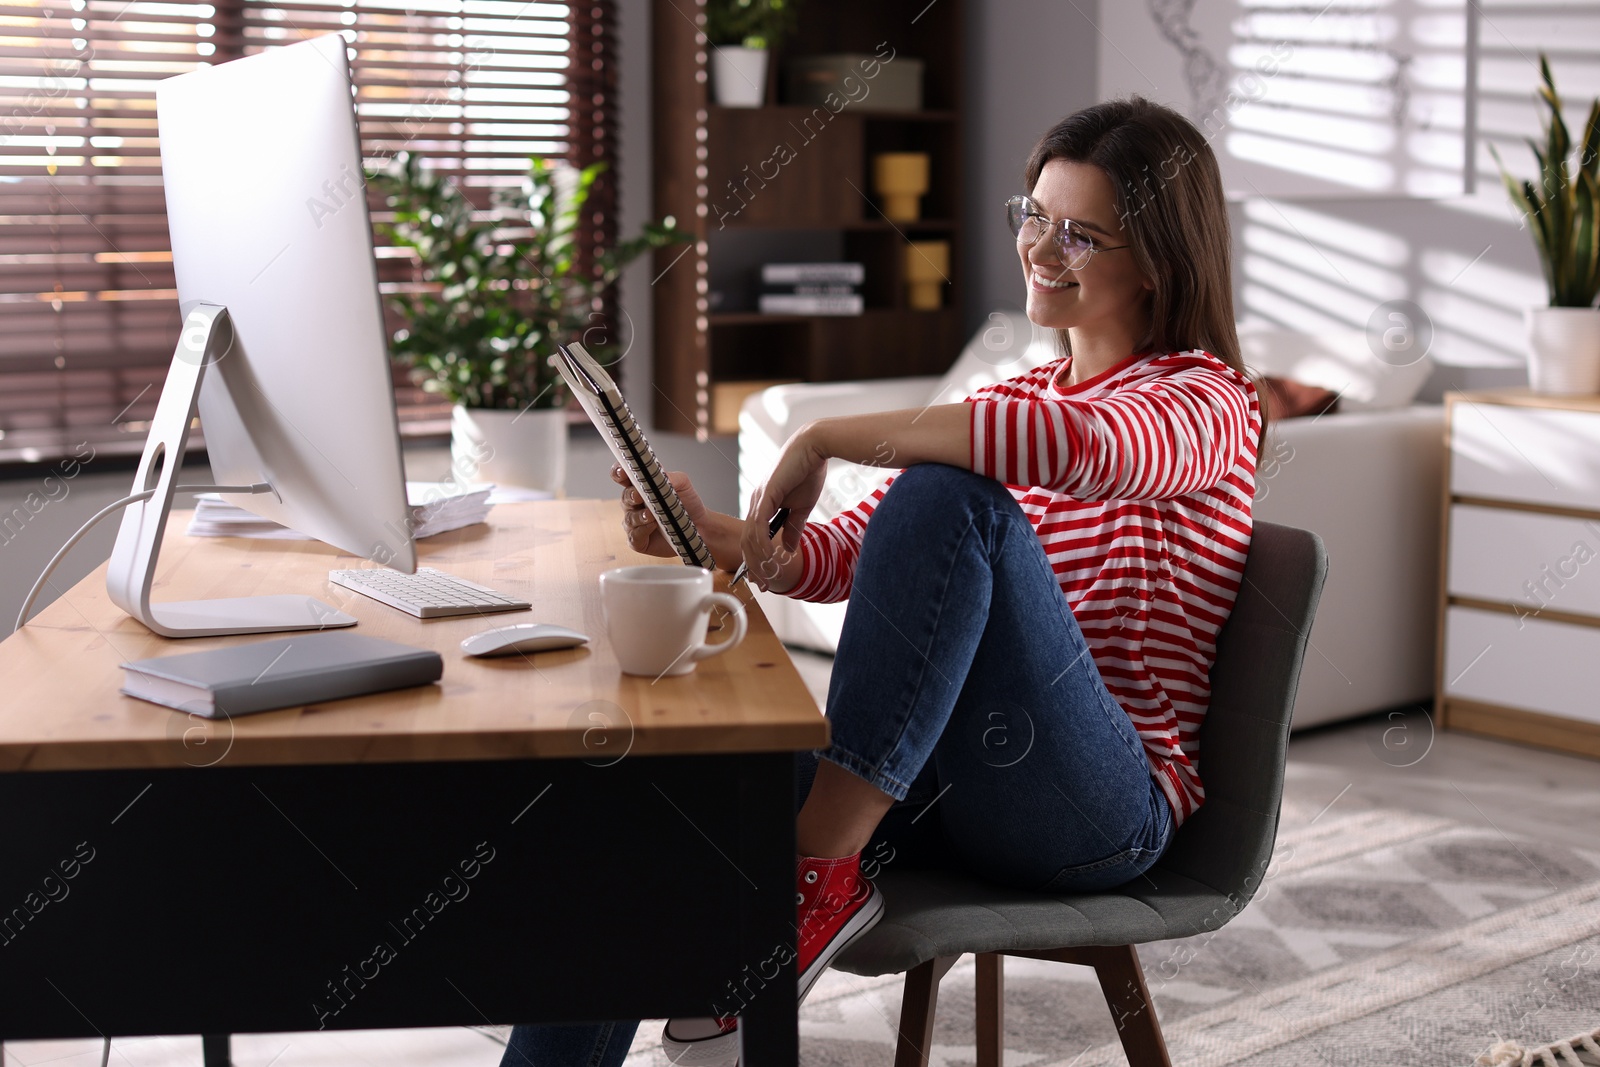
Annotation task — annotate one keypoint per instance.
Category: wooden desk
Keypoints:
(64, 711)
(306, 868)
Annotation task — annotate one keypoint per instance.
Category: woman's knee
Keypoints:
(942, 489)
(932, 510)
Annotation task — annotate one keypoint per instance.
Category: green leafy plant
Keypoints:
(751, 23)
(501, 286)
(1563, 208)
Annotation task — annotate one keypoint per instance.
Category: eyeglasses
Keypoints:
(1073, 246)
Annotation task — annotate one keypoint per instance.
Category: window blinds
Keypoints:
(88, 310)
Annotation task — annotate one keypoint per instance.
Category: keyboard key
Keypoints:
(428, 593)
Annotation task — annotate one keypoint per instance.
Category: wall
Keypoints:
(1029, 64)
(1306, 264)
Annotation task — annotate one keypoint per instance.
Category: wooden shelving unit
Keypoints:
(786, 183)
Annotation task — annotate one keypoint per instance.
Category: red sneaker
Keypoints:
(835, 905)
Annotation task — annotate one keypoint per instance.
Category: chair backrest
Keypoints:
(1244, 739)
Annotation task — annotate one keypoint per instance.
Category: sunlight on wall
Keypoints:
(1327, 231)
(1470, 263)
(1288, 249)
(1306, 269)
(1336, 99)
(1358, 172)
(1371, 97)
(1476, 308)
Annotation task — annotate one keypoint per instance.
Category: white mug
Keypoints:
(657, 615)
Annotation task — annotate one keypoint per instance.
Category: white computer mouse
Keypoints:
(523, 637)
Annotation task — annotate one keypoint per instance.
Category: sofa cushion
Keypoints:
(1338, 360)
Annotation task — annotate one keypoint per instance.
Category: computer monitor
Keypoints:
(283, 347)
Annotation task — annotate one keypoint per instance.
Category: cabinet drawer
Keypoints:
(1535, 455)
(1523, 663)
(1523, 557)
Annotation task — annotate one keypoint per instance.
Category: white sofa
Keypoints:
(1366, 479)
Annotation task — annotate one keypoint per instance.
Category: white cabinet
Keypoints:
(1523, 662)
(1530, 455)
(1539, 561)
(1519, 642)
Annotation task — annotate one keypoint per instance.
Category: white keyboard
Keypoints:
(427, 594)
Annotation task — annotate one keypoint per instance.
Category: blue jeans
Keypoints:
(590, 1045)
(964, 689)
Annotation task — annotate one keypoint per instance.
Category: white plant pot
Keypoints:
(517, 449)
(739, 75)
(1564, 350)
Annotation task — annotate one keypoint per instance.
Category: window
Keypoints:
(88, 309)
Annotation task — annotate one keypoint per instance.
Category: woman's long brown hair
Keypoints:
(1169, 198)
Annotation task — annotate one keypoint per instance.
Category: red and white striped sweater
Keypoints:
(1139, 482)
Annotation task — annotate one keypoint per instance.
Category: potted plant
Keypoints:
(1563, 213)
(742, 34)
(499, 291)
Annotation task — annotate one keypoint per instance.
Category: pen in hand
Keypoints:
(774, 524)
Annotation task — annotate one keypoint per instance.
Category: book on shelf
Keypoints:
(809, 289)
(813, 274)
(804, 304)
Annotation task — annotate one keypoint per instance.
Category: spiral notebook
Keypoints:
(603, 402)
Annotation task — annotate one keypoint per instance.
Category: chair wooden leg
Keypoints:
(991, 998)
(916, 1011)
(1122, 982)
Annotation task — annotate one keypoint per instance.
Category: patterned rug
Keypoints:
(1379, 937)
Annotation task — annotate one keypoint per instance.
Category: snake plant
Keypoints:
(1563, 207)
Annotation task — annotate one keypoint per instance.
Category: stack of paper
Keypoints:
(435, 508)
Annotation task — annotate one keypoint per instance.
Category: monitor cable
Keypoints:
(55, 561)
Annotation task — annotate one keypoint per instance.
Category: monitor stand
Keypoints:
(207, 336)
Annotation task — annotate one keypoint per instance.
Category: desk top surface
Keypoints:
(60, 674)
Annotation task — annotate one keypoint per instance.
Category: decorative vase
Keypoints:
(927, 266)
(1564, 350)
(517, 449)
(739, 75)
(900, 178)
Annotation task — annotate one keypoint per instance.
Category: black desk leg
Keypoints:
(769, 1025)
(769, 1032)
(214, 1049)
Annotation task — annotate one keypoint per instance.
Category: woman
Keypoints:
(1035, 597)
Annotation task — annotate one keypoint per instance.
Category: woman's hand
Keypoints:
(644, 533)
(795, 483)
